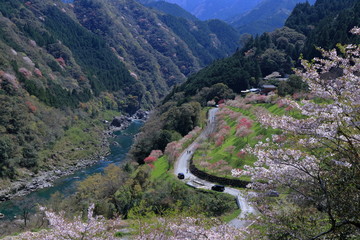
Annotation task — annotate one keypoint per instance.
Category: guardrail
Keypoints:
(215, 179)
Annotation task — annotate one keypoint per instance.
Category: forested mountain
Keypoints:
(159, 48)
(53, 74)
(279, 50)
(261, 55)
(265, 17)
(171, 9)
(252, 17)
(326, 23)
(63, 65)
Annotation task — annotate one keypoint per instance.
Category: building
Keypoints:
(266, 88)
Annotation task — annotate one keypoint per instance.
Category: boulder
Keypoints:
(141, 114)
(121, 122)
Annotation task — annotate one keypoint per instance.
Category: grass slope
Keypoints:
(218, 159)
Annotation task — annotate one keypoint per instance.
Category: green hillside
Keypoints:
(326, 24)
(81, 63)
(266, 16)
(160, 49)
(171, 9)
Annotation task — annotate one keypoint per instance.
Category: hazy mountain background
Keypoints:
(211, 9)
(265, 17)
(247, 16)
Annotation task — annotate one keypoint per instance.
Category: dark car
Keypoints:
(219, 188)
(181, 176)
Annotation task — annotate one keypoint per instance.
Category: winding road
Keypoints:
(182, 166)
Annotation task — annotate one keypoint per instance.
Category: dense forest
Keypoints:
(80, 64)
(277, 51)
(325, 24)
(160, 49)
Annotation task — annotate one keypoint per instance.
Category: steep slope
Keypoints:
(253, 17)
(48, 83)
(210, 9)
(265, 17)
(171, 9)
(205, 39)
(58, 79)
(326, 23)
(150, 43)
(261, 56)
(279, 50)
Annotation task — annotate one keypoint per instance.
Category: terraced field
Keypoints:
(238, 128)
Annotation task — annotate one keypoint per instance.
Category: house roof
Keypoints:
(268, 86)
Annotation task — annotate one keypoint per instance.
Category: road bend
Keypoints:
(182, 166)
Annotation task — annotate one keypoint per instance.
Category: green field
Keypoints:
(161, 167)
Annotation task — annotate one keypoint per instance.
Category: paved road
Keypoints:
(182, 166)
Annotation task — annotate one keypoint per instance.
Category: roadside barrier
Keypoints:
(215, 179)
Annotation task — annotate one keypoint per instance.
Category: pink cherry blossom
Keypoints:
(318, 156)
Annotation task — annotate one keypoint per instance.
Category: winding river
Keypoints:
(67, 184)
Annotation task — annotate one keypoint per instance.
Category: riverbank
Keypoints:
(44, 179)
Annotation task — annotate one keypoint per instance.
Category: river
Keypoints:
(67, 184)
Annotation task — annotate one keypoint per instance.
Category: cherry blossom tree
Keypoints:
(61, 228)
(174, 149)
(318, 164)
(188, 228)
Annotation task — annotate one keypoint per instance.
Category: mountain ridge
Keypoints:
(265, 16)
(65, 68)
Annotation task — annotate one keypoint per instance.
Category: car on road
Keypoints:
(218, 188)
(181, 176)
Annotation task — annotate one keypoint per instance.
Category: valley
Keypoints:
(251, 112)
(67, 184)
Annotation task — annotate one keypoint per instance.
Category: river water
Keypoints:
(67, 184)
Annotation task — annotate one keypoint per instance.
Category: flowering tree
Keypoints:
(150, 159)
(153, 157)
(62, 228)
(319, 162)
(174, 149)
(188, 228)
